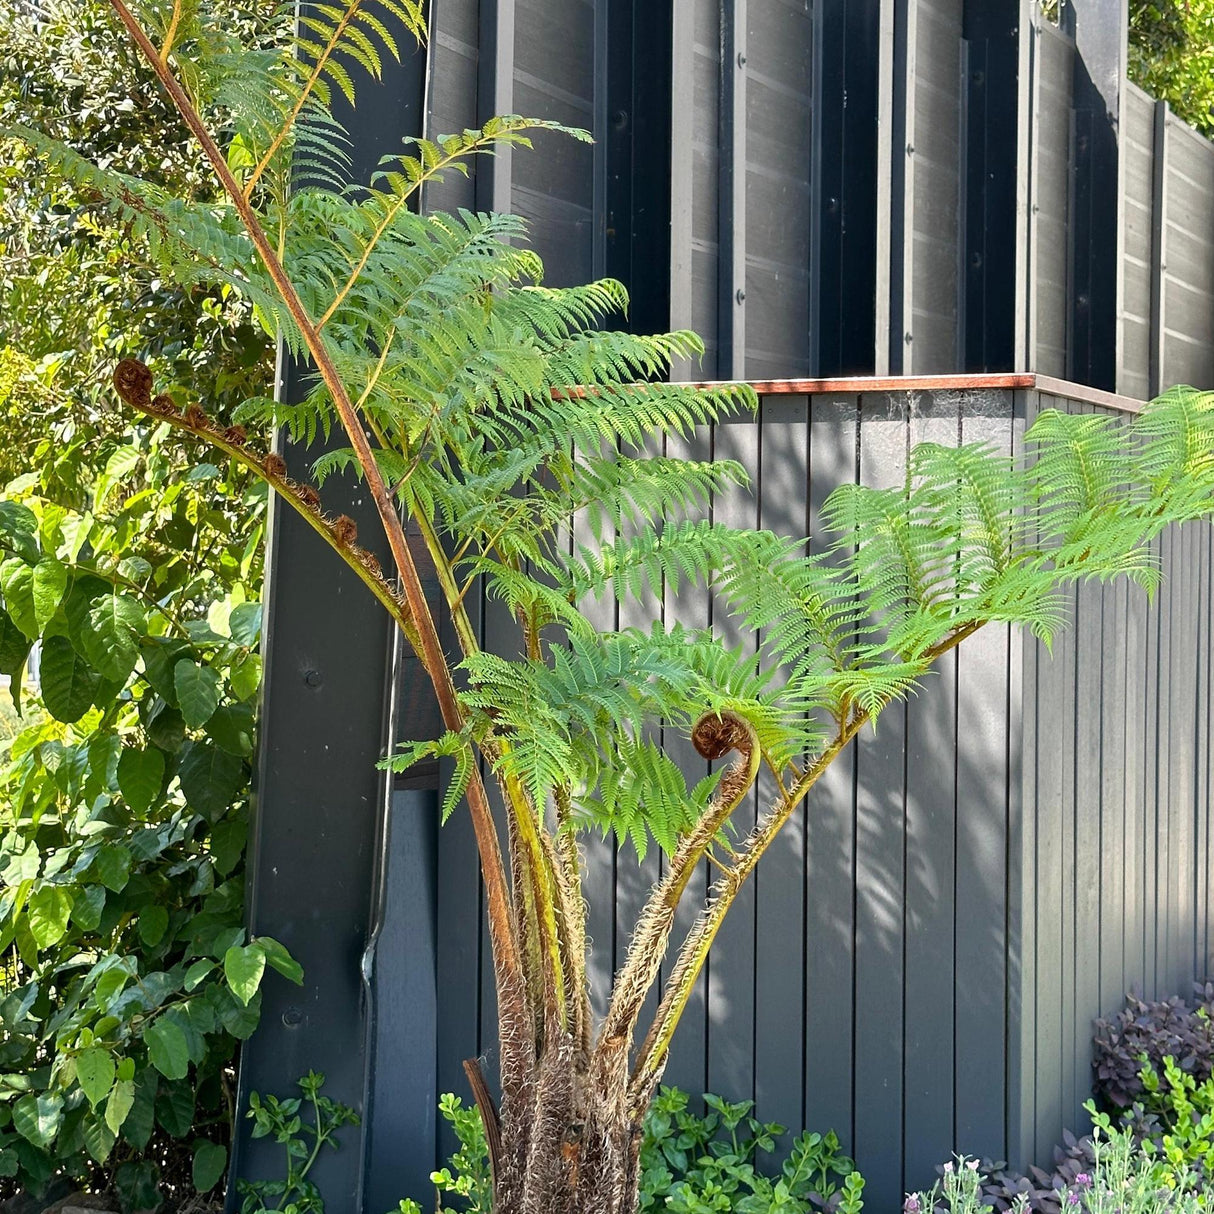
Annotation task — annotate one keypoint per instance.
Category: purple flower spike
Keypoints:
(1083, 1180)
(911, 1204)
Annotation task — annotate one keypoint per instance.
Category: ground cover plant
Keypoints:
(490, 410)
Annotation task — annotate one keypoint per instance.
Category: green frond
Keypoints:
(643, 794)
(450, 746)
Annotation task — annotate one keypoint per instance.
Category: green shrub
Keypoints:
(690, 1163)
(1177, 1117)
(126, 976)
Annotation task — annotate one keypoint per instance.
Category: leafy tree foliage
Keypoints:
(131, 559)
(493, 411)
(1172, 56)
(79, 290)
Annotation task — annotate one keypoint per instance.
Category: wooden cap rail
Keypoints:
(1007, 382)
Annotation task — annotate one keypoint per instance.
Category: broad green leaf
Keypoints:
(20, 860)
(245, 676)
(17, 583)
(113, 866)
(49, 584)
(210, 1162)
(243, 968)
(160, 655)
(81, 595)
(69, 683)
(110, 635)
(228, 838)
(280, 959)
(165, 729)
(140, 1120)
(99, 1139)
(197, 972)
(138, 1182)
(210, 778)
(140, 776)
(244, 624)
(20, 525)
(122, 1097)
(14, 645)
(111, 984)
(197, 691)
(87, 908)
(232, 727)
(167, 1048)
(237, 1019)
(153, 923)
(36, 1117)
(135, 568)
(121, 464)
(49, 909)
(95, 1073)
(10, 1161)
(175, 1108)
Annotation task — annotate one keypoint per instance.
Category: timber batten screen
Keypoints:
(823, 190)
(917, 962)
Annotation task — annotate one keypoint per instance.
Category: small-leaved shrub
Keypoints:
(467, 1175)
(691, 1163)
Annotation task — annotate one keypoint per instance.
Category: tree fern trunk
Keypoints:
(570, 1147)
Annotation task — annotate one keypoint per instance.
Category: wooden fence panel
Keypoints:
(1188, 258)
(1137, 247)
(933, 186)
(1050, 166)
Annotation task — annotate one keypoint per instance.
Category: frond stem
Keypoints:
(317, 68)
(651, 1059)
(171, 33)
(390, 214)
(647, 949)
(501, 917)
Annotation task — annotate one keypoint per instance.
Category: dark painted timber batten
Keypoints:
(1100, 29)
(318, 846)
(844, 183)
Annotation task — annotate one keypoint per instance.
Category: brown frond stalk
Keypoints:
(501, 917)
(714, 736)
(651, 1060)
(133, 381)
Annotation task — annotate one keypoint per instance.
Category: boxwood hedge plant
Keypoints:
(126, 976)
(488, 410)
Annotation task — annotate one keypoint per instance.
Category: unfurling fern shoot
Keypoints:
(490, 410)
